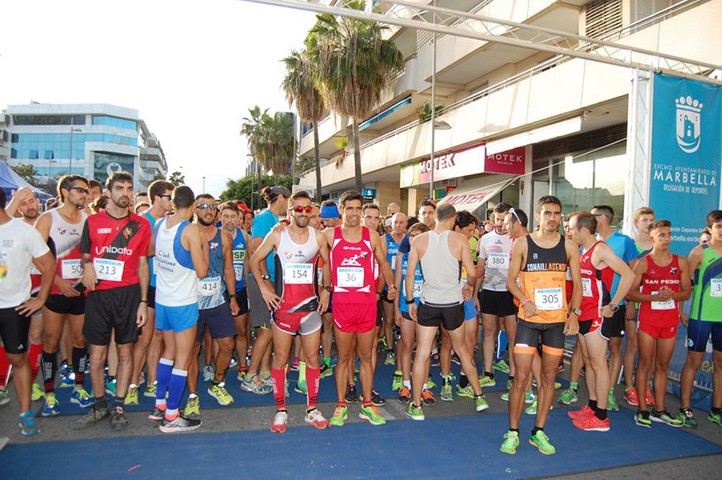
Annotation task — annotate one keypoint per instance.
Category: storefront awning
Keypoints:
(473, 196)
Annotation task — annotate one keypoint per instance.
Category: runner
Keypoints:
(597, 263)
(705, 320)
(62, 228)
(353, 250)
(114, 245)
(20, 246)
(181, 258)
(150, 340)
(295, 304)
(540, 263)
(392, 239)
(331, 218)
(664, 279)
(441, 253)
(215, 311)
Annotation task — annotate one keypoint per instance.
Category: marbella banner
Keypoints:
(686, 158)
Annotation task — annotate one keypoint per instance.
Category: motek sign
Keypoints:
(470, 161)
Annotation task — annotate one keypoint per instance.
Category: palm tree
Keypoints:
(299, 87)
(270, 139)
(354, 64)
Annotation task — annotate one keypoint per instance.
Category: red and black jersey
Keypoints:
(596, 284)
(115, 246)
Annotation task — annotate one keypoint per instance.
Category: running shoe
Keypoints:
(68, 381)
(531, 409)
(376, 399)
(27, 424)
(585, 411)
(398, 381)
(686, 416)
(326, 371)
(541, 442)
(280, 419)
(715, 417)
(118, 420)
(340, 415)
(255, 385)
(480, 403)
(529, 398)
(446, 393)
(435, 360)
(404, 394)
(487, 381)
(455, 358)
(150, 390)
(383, 345)
(316, 419)
(351, 394)
(208, 373)
(467, 391)
(193, 406)
(427, 397)
(371, 415)
(295, 364)
(157, 415)
(649, 398)
(37, 393)
(51, 407)
(131, 398)
(591, 423)
(612, 404)
(642, 419)
(81, 398)
(4, 397)
(630, 396)
(504, 396)
(96, 414)
(431, 384)
(509, 383)
(232, 363)
(568, 396)
(63, 369)
(390, 358)
(242, 372)
(110, 386)
(414, 412)
(220, 393)
(511, 441)
(503, 367)
(665, 417)
(179, 424)
(301, 387)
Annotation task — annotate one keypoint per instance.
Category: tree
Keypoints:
(300, 89)
(270, 139)
(248, 188)
(177, 178)
(355, 63)
(27, 172)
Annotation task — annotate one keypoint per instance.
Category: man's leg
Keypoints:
(184, 341)
(664, 350)
(630, 353)
(344, 351)
(523, 356)
(545, 391)
(425, 337)
(98, 354)
(282, 342)
(21, 378)
(241, 323)
(140, 350)
(689, 371)
(467, 359)
(490, 325)
(389, 331)
(125, 369)
(365, 351)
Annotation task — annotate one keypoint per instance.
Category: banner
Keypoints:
(686, 158)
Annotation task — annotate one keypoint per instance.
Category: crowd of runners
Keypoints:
(151, 293)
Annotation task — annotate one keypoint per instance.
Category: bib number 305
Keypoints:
(548, 298)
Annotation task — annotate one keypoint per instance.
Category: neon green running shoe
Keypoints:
(131, 398)
(37, 393)
(502, 366)
(487, 381)
(430, 384)
(371, 415)
(541, 442)
(193, 407)
(340, 415)
(416, 413)
(398, 381)
(511, 441)
(446, 393)
(467, 391)
(504, 396)
(531, 409)
(715, 417)
(220, 393)
(480, 403)
(612, 404)
(568, 396)
(686, 416)
(529, 398)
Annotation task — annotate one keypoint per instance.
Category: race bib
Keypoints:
(569, 274)
(716, 287)
(209, 286)
(3, 266)
(417, 288)
(665, 305)
(464, 276)
(71, 269)
(548, 298)
(350, 277)
(393, 262)
(586, 287)
(498, 260)
(299, 273)
(238, 269)
(108, 269)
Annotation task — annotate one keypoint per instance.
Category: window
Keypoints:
(602, 17)
(49, 119)
(15, 138)
(13, 153)
(33, 155)
(49, 155)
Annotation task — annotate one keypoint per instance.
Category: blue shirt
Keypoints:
(262, 224)
(625, 248)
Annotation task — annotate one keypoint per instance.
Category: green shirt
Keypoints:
(707, 293)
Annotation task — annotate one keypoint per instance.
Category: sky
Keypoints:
(192, 69)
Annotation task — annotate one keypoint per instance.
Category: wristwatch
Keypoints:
(577, 312)
(328, 288)
(614, 307)
(266, 277)
(409, 302)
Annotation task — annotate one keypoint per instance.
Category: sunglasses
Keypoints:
(165, 196)
(80, 189)
(205, 206)
(301, 208)
(513, 212)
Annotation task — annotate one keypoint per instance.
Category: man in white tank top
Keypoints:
(441, 252)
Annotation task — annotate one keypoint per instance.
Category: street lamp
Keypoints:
(71, 143)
